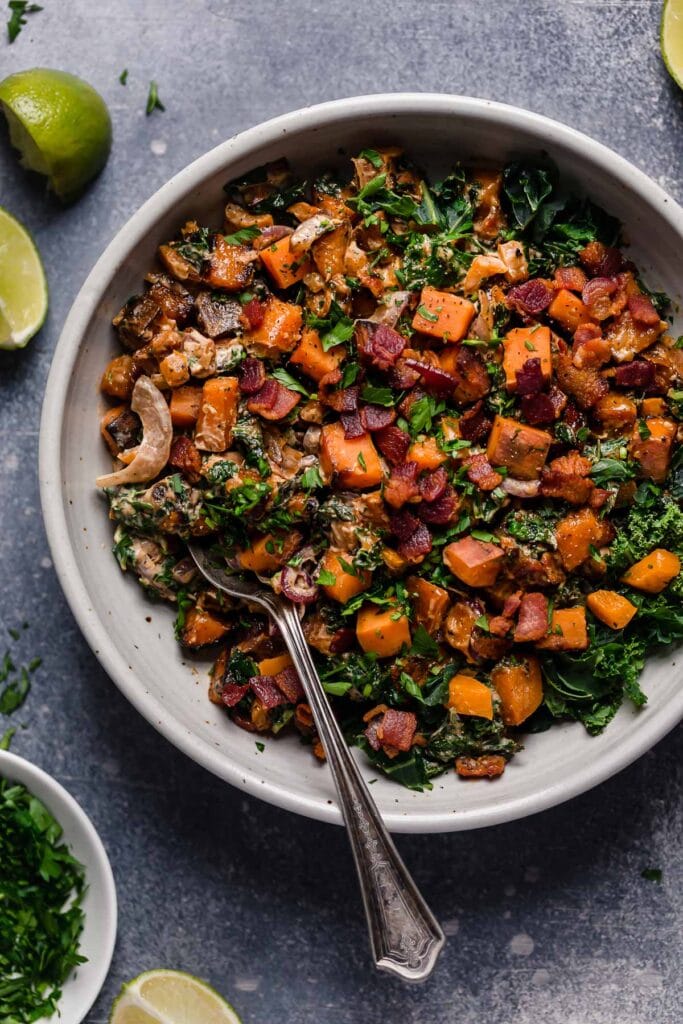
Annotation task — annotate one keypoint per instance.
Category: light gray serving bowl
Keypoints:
(143, 658)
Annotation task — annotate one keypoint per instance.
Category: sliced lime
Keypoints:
(170, 997)
(671, 39)
(59, 124)
(23, 288)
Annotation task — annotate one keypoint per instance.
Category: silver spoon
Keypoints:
(405, 937)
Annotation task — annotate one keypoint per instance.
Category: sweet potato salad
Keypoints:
(443, 419)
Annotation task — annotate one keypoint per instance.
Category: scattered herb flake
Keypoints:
(153, 101)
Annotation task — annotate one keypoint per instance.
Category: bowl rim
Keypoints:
(659, 720)
(58, 800)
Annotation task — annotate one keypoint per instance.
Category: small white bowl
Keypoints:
(97, 940)
(134, 639)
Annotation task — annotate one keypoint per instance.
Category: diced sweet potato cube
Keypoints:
(521, 449)
(271, 666)
(312, 358)
(567, 630)
(201, 628)
(442, 315)
(427, 454)
(382, 630)
(524, 343)
(353, 462)
(346, 585)
(568, 309)
(520, 688)
(475, 562)
(185, 406)
(278, 332)
(468, 696)
(430, 602)
(577, 533)
(486, 766)
(217, 414)
(268, 553)
(653, 407)
(231, 266)
(654, 572)
(653, 451)
(615, 610)
(284, 266)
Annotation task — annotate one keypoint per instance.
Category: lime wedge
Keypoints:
(170, 997)
(671, 39)
(60, 126)
(23, 288)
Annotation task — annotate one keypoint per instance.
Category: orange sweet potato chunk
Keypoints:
(567, 631)
(217, 414)
(568, 310)
(185, 405)
(521, 449)
(231, 266)
(468, 696)
(430, 602)
(576, 534)
(266, 554)
(271, 666)
(654, 572)
(201, 628)
(475, 562)
(284, 266)
(442, 315)
(381, 631)
(345, 585)
(427, 454)
(524, 343)
(280, 330)
(653, 451)
(520, 688)
(354, 463)
(615, 610)
(312, 358)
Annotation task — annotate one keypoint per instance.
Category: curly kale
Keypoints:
(659, 524)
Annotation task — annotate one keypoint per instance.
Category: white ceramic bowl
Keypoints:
(142, 658)
(99, 929)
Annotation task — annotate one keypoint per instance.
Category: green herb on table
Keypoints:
(17, 19)
(123, 77)
(652, 874)
(40, 911)
(153, 101)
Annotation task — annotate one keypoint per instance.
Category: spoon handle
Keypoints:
(404, 934)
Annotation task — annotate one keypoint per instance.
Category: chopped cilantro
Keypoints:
(153, 101)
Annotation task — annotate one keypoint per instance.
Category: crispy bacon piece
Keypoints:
(601, 260)
(343, 640)
(232, 694)
(255, 312)
(352, 425)
(288, 682)
(538, 409)
(403, 524)
(597, 497)
(531, 297)
(376, 417)
(583, 384)
(407, 403)
(642, 310)
(432, 485)
(500, 626)
(443, 510)
(571, 278)
(566, 486)
(512, 603)
(480, 472)
(472, 379)
(474, 423)
(267, 691)
(417, 545)
(485, 646)
(378, 344)
(598, 296)
(589, 348)
(638, 374)
(488, 766)
(530, 377)
(397, 729)
(339, 399)
(532, 622)
(252, 376)
(436, 382)
(273, 401)
(402, 485)
(186, 458)
(402, 376)
(393, 444)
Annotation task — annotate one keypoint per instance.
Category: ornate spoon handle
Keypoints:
(404, 934)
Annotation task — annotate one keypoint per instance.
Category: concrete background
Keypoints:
(549, 919)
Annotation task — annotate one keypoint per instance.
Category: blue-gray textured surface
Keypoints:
(549, 919)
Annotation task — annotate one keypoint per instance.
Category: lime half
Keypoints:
(59, 124)
(23, 288)
(671, 39)
(170, 997)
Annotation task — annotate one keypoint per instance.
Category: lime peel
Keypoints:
(170, 997)
(23, 286)
(671, 39)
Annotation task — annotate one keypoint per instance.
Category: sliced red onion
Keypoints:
(298, 586)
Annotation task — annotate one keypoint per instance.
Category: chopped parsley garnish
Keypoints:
(123, 77)
(153, 101)
(17, 19)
